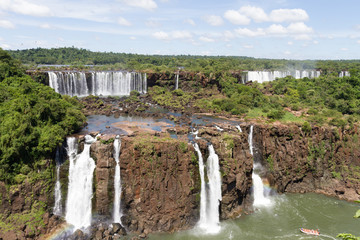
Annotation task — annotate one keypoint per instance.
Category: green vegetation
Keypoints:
(173, 99)
(34, 120)
(78, 58)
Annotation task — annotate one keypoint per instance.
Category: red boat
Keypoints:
(310, 231)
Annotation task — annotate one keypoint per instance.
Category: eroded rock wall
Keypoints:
(324, 160)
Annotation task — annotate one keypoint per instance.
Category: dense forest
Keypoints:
(34, 120)
(82, 58)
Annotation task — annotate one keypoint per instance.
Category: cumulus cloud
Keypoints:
(245, 14)
(25, 7)
(6, 24)
(123, 22)
(45, 26)
(255, 13)
(161, 36)
(277, 29)
(358, 41)
(172, 35)
(214, 20)
(290, 43)
(5, 46)
(288, 15)
(206, 39)
(145, 4)
(235, 17)
(245, 32)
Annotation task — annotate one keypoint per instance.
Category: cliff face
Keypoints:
(324, 161)
(161, 182)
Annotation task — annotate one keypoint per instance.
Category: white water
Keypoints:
(203, 202)
(57, 210)
(112, 83)
(80, 192)
(344, 74)
(266, 76)
(258, 187)
(117, 182)
(177, 81)
(239, 128)
(210, 196)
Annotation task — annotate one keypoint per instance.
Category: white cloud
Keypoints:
(228, 35)
(276, 29)
(299, 27)
(146, 4)
(190, 21)
(302, 37)
(288, 15)
(206, 39)
(161, 36)
(245, 32)
(255, 13)
(344, 49)
(133, 38)
(181, 35)
(123, 22)
(6, 24)
(236, 18)
(214, 20)
(358, 41)
(172, 35)
(290, 43)
(287, 52)
(315, 42)
(25, 7)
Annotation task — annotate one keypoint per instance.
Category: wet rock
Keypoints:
(78, 235)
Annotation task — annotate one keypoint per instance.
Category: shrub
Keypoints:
(276, 114)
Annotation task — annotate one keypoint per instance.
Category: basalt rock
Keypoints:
(324, 161)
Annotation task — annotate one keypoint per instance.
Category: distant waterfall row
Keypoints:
(266, 76)
(82, 84)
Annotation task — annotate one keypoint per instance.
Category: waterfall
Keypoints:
(111, 83)
(80, 192)
(57, 210)
(344, 74)
(266, 76)
(177, 81)
(258, 186)
(203, 219)
(238, 128)
(117, 182)
(210, 196)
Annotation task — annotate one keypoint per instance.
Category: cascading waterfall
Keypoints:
(177, 81)
(258, 187)
(112, 83)
(210, 196)
(57, 210)
(117, 182)
(266, 76)
(80, 192)
(239, 128)
(344, 74)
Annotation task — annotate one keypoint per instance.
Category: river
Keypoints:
(283, 219)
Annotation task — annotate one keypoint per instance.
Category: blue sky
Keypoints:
(290, 29)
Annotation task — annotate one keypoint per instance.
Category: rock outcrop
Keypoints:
(324, 160)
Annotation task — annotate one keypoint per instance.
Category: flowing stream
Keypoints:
(283, 219)
(117, 182)
(80, 189)
(177, 82)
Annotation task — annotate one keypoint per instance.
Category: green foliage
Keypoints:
(357, 214)
(33, 121)
(347, 236)
(175, 99)
(276, 114)
(183, 146)
(306, 128)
